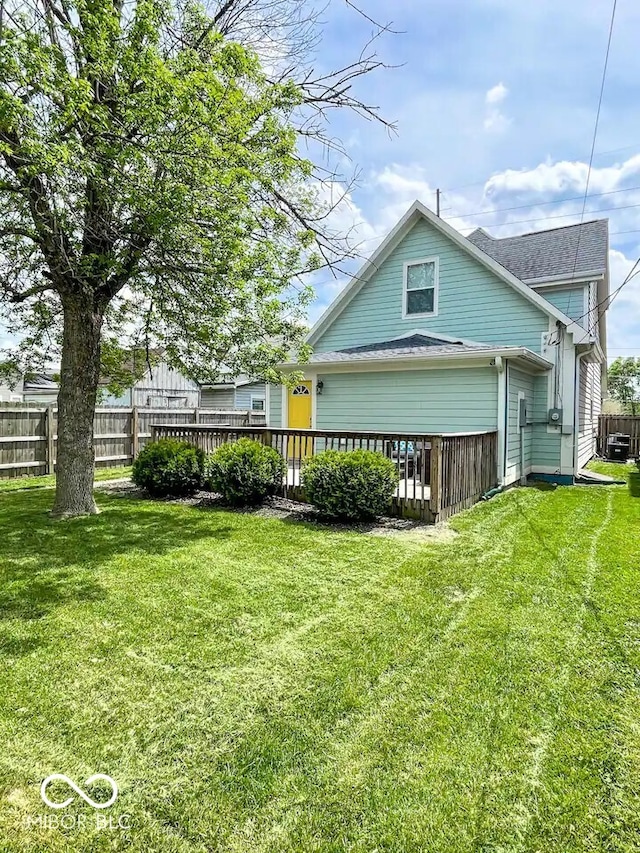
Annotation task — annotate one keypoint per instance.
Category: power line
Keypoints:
(490, 211)
(548, 218)
(609, 299)
(485, 180)
(595, 129)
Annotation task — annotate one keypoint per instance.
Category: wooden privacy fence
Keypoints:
(28, 436)
(627, 424)
(438, 474)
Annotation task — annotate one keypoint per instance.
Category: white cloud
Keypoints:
(565, 175)
(495, 121)
(497, 94)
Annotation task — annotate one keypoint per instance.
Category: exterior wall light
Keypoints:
(319, 386)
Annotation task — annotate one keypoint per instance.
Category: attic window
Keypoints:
(421, 288)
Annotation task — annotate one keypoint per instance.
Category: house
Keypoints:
(160, 387)
(441, 333)
(10, 394)
(40, 388)
(241, 392)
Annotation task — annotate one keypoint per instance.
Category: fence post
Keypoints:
(49, 428)
(435, 478)
(196, 415)
(135, 433)
(266, 437)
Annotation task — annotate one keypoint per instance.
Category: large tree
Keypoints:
(153, 193)
(624, 383)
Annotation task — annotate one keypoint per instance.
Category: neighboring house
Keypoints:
(160, 387)
(440, 333)
(241, 392)
(11, 395)
(40, 388)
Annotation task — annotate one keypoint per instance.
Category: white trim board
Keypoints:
(416, 212)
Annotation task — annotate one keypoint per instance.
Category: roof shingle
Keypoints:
(568, 251)
(414, 345)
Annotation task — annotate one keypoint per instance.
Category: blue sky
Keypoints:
(495, 103)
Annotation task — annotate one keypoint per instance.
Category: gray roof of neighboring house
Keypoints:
(414, 345)
(40, 382)
(567, 251)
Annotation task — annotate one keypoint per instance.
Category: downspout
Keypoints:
(523, 476)
(499, 363)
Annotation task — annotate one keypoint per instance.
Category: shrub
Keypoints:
(634, 482)
(245, 472)
(169, 467)
(354, 485)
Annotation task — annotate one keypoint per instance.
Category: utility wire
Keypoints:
(549, 218)
(480, 183)
(490, 211)
(595, 129)
(608, 300)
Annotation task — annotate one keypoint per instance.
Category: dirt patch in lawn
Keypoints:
(296, 511)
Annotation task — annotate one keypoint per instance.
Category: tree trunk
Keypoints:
(79, 376)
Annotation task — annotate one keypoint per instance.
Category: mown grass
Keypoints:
(258, 685)
(49, 480)
(617, 470)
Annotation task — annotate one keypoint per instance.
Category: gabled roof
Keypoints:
(571, 251)
(416, 212)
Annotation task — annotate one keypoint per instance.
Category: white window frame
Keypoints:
(262, 397)
(436, 287)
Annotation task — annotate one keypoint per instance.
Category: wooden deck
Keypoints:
(438, 474)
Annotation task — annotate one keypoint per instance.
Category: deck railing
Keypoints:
(438, 474)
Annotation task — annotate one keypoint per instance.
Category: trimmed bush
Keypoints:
(355, 485)
(634, 482)
(245, 472)
(169, 467)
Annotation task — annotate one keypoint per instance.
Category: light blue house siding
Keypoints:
(473, 302)
(571, 301)
(546, 440)
(245, 392)
(519, 385)
(274, 414)
(425, 401)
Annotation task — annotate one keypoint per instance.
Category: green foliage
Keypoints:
(624, 383)
(164, 164)
(169, 467)
(357, 485)
(634, 483)
(245, 472)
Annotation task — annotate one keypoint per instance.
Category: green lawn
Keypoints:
(617, 470)
(49, 480)
(257, 685)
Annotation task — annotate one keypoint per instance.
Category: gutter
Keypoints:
(557, 280)
(510, 352)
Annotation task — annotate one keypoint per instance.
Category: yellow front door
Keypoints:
(299, 418)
